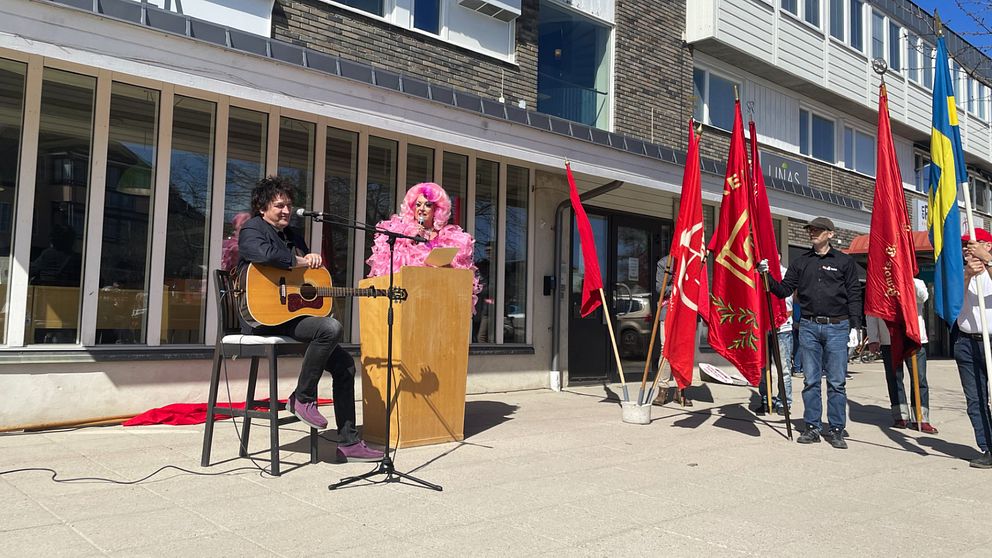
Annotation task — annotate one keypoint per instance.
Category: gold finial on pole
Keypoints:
(938, 26)
(736, 96)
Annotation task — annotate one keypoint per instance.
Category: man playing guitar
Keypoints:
(266, 239)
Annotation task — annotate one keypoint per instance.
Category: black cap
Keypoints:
(820, 223)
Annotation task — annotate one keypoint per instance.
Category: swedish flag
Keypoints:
(947, 171)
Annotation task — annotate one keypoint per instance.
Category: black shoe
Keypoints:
(759, 410)
(811, 436)
(983, 462)
(836, 438)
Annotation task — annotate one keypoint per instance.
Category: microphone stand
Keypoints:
(385, 466)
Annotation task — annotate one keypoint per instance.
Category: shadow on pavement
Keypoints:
(483, 415)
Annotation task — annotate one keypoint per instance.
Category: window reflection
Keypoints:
(381, 189)
(454, 179)
(61, 189)
(340, 181)
(296, 146)
(486, 200)
(515, 270)
(191, 169)
(11, 108)
(246, 140)
(419, 165)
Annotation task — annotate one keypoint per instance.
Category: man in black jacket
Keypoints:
(267, 239)
(826, 283)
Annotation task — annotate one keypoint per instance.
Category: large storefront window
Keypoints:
(61, 189)
(122, 307)
(515, 269)
(186, 262)
(486, 204)
(296, 145)
(419, 165)
(455, 181)
(381, 188)
(340, 187)
(11, 109)
(246, 140)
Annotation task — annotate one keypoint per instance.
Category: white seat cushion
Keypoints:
(244, 339)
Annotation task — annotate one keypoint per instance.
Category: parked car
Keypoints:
(635, 316)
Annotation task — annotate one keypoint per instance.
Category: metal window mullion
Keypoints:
(24, 211)
(93, 245)
(160, 219)
(531, 242)
(319, 183)
(216, 215)
(361, 207)
(470, 193)
(401, 163)
(499, 291)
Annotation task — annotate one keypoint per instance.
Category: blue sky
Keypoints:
(958, 20)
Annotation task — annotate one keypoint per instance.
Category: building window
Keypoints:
(419, 165)
(857, 34)
(859, 151)
(811, 12)
(913, 57)
(517, 217)
(837, 19)
(956, 75)
(247, 136)
(816, 136)
(296, 160)
(877, 35)
(12, 103)
(927, 65)
(573, 62)
(187, 229)
(380, 193)
(979, 193)
(454, 177)
(340, 198)
(982, 100)
(60, 202)
(486, 236)
(427, 15)
(791, 6)
(895, 31)
(921, 171)
(714, 99)
(374, 7)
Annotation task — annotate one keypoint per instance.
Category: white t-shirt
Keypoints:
(969, 320)
(878, 333)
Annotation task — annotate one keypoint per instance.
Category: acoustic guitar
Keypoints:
(274, 296)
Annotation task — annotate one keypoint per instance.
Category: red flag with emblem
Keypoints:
(689, 271)
(592, 280)
(735, 299)
(764, 234)
(889, 290)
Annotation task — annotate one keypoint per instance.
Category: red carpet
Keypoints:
(193, 413)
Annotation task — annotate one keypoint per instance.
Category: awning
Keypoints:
(921, 243)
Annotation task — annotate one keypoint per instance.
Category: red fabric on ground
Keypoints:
(194, 413)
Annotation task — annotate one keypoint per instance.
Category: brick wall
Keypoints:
(653, 88)
(352, 36)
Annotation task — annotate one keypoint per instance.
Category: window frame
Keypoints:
(707, 73)
(810, 114)
(852, 165)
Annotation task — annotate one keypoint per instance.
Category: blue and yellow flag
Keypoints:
(947, 171)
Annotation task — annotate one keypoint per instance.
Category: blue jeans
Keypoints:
(785, 349)
(970, 356)
(903, 404)
(824, 352)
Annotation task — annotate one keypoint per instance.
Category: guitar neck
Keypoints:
(336, 292)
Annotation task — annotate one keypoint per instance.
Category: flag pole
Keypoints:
(777, 354)
(654, 330)
(981, 294)
(918, 406)
(613, 341)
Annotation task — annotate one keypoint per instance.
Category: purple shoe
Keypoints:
(306, 412)
(358, 452)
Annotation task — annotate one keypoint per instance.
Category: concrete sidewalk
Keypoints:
(540, 473)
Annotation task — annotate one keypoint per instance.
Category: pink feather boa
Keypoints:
(408, 253)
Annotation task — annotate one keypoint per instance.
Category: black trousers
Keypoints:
(324, 352)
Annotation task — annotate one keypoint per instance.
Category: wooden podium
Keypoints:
(431, 331)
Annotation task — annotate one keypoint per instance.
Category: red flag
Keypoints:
(689, 272)
(735, 300)
(592, 281)
(764, 235)
(889, 290)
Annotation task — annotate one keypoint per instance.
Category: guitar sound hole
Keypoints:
(308, 291)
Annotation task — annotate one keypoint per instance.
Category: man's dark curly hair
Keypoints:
(268, 189)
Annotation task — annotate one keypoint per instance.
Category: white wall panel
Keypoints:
(978, 137)
(749, 26)
(776, 115)
(800, 50)
(904, 153)
(919, 108)
(846, 73)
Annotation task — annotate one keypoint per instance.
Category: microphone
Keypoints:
(304, 213)
(421, 221)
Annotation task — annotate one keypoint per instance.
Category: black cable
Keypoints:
(130, 482)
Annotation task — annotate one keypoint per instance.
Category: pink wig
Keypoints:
(433, 193)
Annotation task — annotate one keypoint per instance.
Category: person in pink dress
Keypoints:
(425, 212)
